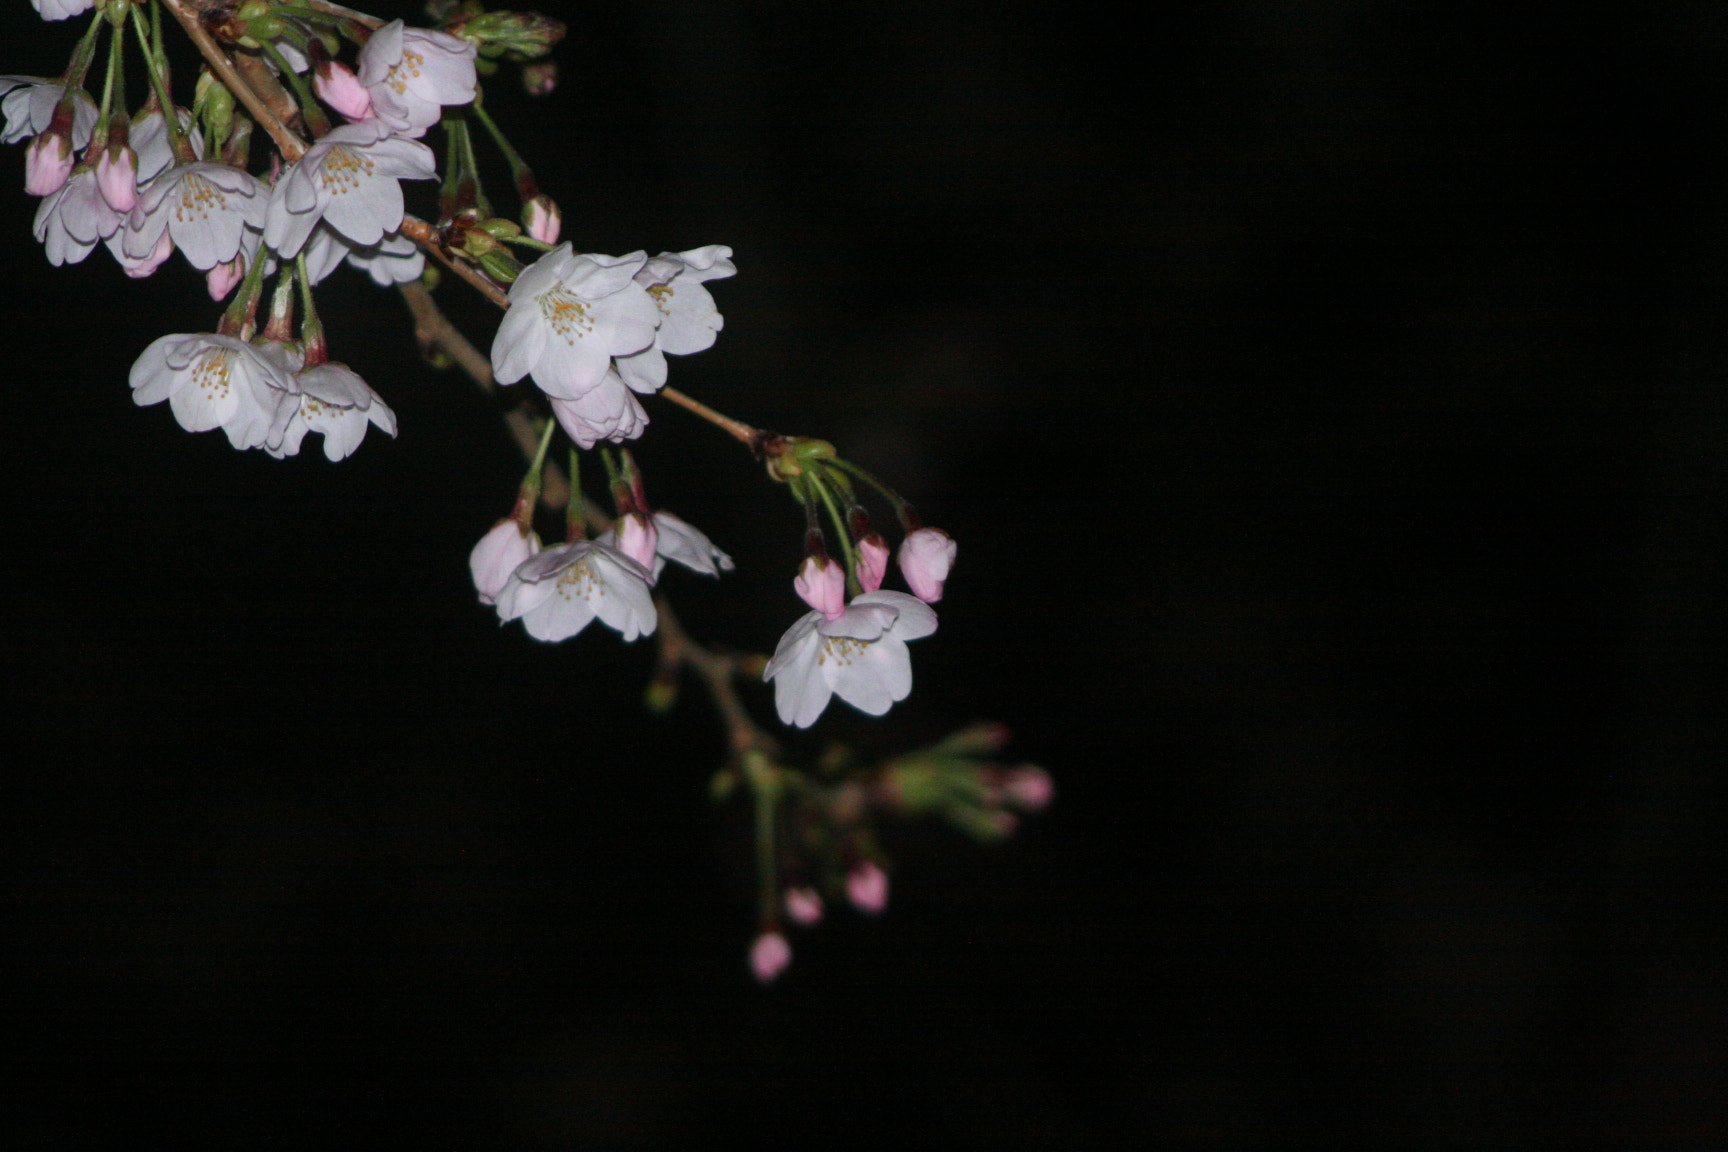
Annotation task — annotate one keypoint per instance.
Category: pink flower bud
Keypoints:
(804, 906)
(822, 585)
(925, 558)
(47, 164)
(867, 888)
(498, 554)
(338, 87)
(223, 277)
(1027, 786)
(637, 538)
(542, 220)
(872, 561)
(117, 177)
(539, 78)
(769, 956)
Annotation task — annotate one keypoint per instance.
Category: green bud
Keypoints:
(214, 105)
(498, 263)
(516, 36)
(661, 695)
(723, 785)
(499, 228)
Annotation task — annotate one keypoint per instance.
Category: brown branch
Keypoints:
(188, 14)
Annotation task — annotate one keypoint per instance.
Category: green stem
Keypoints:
(465, 141)
(575, 523)
(888, 493)
(842, 530)
(519, 170)
(159, 84)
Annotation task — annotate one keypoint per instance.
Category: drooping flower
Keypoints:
(608, 411)
(349, 179)
(71, 220)
(28, 103)
(560, 591)
(207, 208)
(410, 73)
(148, 136)
(689, 319)
(393, 260)
(570, 314)
(859, 655)
(213, 381)
(676, 540)
(143, 266)
(338, 405)
(500, 552)
(926, 555)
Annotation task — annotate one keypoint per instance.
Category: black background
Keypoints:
(1328, 401)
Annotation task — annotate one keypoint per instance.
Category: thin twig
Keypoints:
(187, 13)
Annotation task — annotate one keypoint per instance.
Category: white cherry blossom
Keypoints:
(337, 404)
(148, 136)
(73, 218)
(62, 9)
(410, 73)
(500, 552)
(560, 591)
(606, 412)
(689, 319)
(393, 260)
(349, 180)
(28, 103)
(569, 315)
(860, 655)
(213, 381)
(207, 208)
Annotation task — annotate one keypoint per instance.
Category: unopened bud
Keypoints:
(338, 86)
(661, 695)
(925, 559)
(519, 36)
(499, 264)
(499, 228)
(872, 561)
(821, 584)
(542, 219)
(867, 888)
(769, 956)
(804, 906)
(47, 163)
(540, 77)
(214, 105)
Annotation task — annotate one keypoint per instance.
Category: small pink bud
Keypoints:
(804, 906)
(925, 558)
(822, 585)
(769, 956)
(542, 219)
(1028, 786)
(338, 87)
(223, 277)
(867, 888)
(47, 163)
(498, 554)
(117, 177)
(872, 561)
(637, 538)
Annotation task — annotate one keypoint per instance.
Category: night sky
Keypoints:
(1329, 403)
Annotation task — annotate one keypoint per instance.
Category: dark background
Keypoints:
(1328, 401)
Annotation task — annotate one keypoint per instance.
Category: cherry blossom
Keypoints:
(560, 591)
(71, 220)
(338, 405)
(393, 260)
(148, 136)
(676, 540)
(349, 180)
(499, 553)
(569, 315)
(212, 381)
(860, 655)
(28, 103)
(926, 555)
(606, 412)
(410, 73)
(207, 208)
(689, 319)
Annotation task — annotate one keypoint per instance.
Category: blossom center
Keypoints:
(198, 199)
(662, 294)
(343, 170)
(568, 315)
(843, 649)
(409, 64)
(210, 374)
(579, 580)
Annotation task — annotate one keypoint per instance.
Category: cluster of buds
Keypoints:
(852, 642)
(828, 848)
